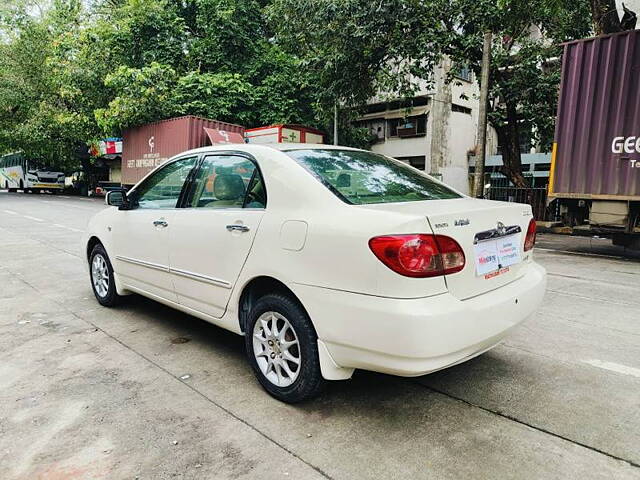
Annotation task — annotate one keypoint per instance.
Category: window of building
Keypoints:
(542, 167)
(460, 108)
(375, 126)
(464, 73)
(418, 162)
(407, 127)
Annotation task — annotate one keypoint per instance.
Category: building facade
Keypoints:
(435, 130)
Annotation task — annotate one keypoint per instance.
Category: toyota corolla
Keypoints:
(327, 259)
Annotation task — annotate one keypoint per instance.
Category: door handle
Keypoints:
(237, 228)
(160, 223)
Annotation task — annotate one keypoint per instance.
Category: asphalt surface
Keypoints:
(143, 391)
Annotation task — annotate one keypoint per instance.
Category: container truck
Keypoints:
(595, 162)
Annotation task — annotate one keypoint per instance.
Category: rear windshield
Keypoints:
(359, 177)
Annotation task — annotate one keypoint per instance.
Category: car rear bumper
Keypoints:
(411, 337)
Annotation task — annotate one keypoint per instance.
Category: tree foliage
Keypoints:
(359, 48)
(70, 75)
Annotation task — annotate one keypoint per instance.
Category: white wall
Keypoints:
(404, 147)
(633, 5)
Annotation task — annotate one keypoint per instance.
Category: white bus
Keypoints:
(18, 173)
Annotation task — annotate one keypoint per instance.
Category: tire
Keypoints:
(22, 187)
(306, 381)
(102, 284)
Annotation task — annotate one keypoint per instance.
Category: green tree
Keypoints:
(37, 112)
(70, 74)
(141, 95)
(228, 68)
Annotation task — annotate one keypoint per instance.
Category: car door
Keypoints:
(141, 234)
(211, 238)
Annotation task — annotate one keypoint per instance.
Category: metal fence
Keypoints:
(536, 197)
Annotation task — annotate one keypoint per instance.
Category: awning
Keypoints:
(223, 137)
(400, 113)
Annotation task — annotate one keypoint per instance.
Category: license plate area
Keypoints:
(497, 254)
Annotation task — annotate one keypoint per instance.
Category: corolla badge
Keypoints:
(501, 229)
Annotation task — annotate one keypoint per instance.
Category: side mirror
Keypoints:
(117, 198)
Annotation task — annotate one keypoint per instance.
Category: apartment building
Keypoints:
(435, 130)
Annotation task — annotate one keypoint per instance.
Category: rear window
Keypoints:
(359, 177)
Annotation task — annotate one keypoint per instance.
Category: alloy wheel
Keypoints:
(100, 275)
(276, 349)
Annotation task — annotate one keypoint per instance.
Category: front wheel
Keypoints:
(101, 274)
(282, 348)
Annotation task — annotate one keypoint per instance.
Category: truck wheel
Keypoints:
(282, 348)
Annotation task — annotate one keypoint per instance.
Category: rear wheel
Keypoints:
(101, 274)
(282, 348)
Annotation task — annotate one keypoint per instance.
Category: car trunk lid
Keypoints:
(481, 228)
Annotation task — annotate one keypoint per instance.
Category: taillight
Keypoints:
(530, 239)
(419, 255)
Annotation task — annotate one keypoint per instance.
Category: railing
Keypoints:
(536, 197)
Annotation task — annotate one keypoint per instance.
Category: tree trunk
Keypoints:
(605, 17)
(509, 139)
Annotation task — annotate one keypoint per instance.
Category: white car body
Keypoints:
(366, 316)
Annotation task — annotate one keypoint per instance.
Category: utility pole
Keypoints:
(335, 123)
(481, 146)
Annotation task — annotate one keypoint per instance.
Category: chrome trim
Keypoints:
(500, 231)
(142, 263)
(183, 273)
(237, 228)
(200, 278)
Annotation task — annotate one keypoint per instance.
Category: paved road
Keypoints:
(146, 392)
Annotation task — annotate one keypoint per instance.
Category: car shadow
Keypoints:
(365, 388)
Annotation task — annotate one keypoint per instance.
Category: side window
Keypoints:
(228, 181)
(162, 189)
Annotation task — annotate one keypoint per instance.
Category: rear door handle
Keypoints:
(160, 223)
(237, 228)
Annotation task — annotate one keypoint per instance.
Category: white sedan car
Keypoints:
(326, 259)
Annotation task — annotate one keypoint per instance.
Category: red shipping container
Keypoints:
(147, 146)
